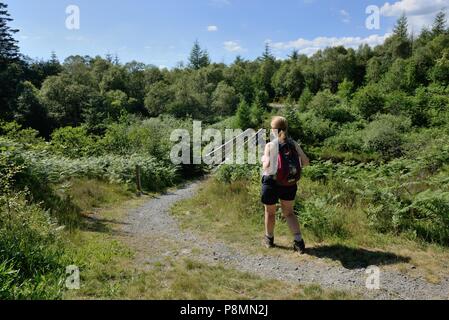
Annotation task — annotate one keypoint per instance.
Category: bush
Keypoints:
(385, 135)
(232, 173)
(428, 216)
(28, 137)
(383, 212)
(319, 172)
(156, 175)
(314, 130)
(20, 172)
(73, 142)
(322, 220)
(149, 137)
(349, 139)
(324, 102)
(33, 259)
(399, 103)
(369, 101)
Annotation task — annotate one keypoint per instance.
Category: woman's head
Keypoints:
(280, 125)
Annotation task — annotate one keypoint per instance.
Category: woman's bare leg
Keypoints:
(289, 215)
(270, 220)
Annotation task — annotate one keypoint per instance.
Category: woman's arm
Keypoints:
(304, 159)
(266, 158)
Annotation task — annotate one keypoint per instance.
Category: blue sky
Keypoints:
(161, 32)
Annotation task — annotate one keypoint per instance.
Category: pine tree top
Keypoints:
(439, 24)
(9, 49)
(401, 28)
(199, 58)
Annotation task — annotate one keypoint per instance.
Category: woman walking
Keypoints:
(282, 163)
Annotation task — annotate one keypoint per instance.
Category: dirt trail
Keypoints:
(156, 234)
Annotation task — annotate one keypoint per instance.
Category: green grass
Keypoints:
(90, 194)
(231, 213)
(109, 270)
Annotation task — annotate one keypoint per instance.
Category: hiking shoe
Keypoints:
(268, 242)
(299, 246)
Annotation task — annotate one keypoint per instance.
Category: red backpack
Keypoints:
(289, 165)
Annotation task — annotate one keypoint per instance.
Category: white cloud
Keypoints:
(420, 13)
(345, 16)
(212, 28)
(309, 47)
(413, 7)
(234, 46)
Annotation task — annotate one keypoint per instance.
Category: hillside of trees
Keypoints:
(375, 122)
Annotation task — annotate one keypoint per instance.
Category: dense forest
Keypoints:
(375, 122)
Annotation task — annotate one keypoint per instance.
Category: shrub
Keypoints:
(319, 172)
(243, 119)
(33, 259)
(322, 220)
(314, 130)
(324, 102)
(399, 103)
(348, 140)
(385, 135)
(428, 216)
(28, 137)
(149, 137)
(369, 101)
(73, 142)
(232, 173)
(383, 212)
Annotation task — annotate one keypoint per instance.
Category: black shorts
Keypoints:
(272, 193)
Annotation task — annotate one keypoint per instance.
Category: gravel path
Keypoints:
(154, 230)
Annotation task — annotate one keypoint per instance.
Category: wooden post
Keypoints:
(138, 181)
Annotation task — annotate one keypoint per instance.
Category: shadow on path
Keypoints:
(355, 258)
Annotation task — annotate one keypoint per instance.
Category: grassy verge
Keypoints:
(229, 212)
(109, 269)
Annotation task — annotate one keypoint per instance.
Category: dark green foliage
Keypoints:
(225, 100)
(199, 58)
(73, 142)
(440, 24)
(32, 257)
(385, 135)
(440, 72)
(9, 50)
(314, 129)
(322, 220)
(369, 101)
(158, 98)
(381, 115)
(30, 113)
(244, 116)
(289, 81)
